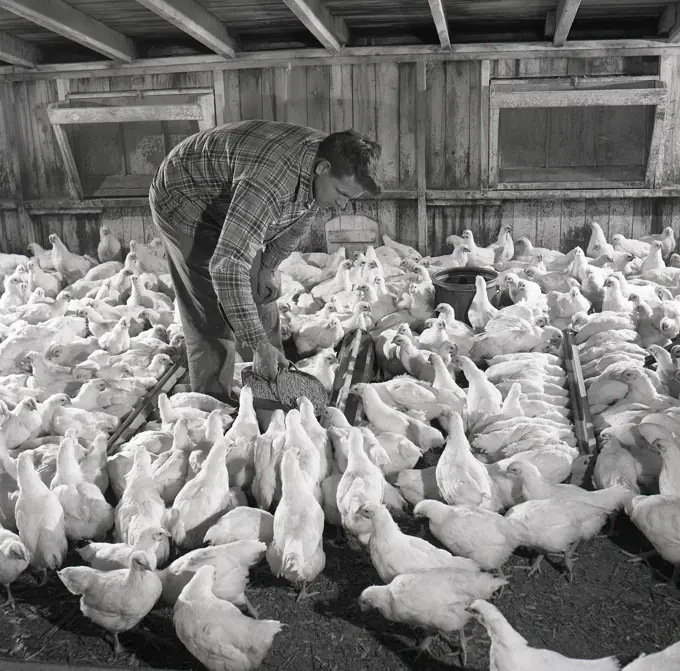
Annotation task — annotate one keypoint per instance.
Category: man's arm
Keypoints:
(252, 210)
(281, 248)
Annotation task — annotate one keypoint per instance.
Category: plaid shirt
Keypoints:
(256, 178)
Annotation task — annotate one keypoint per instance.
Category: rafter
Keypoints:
(667, 20)
(439, 18)
(62, 18)
(669, 23)
(197, 21)
(330, 30)
(565, 15)
(17, 52)
(550, 19)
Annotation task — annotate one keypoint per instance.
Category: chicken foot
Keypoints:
(304, 594)
(462, 646)
(117, 646)
(9, 602)
(667, 582)
(422, 647)
(534, 568)
(642, 556)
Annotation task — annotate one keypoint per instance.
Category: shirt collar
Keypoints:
(305, 192)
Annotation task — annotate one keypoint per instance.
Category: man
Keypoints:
(231, 203)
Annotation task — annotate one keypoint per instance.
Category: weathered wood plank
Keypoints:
(407, 126)
(440, 23)
(642, 218)
(407, 213)
(28, 174)
(51, 177)
(365, 119)
(87, 228)
(666, 213)
(69, 234)
(575, 98)
(574, 232)
(220, 97)
(598, 211)
(421, 163)
(457, 118)
(548, 225)
(11, 239)
(51, 223)
(194, 19)
(207, 104)
(8, 178)
(654, 155)
(657, 209)
(474, 113)
(113, 218)
(439, 233)
(435, 163)
(341, 92)
(18, 52)
(318, 97)
(485, 71)
(232, 97)
(387, 134)
(78, 26)
(494, 158)
(526, 218)
(491, 218)
(505, 68)
(268, 93)
(507, 214)
(629, 48)
(668, 18)
(75, 187)
(564, 18)
(187, 111)
(296, 102)
(621, 217)
(330, 30)
(675, 221)
(250, 94)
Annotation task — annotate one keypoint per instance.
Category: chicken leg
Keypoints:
(462, 646)
(304, 594)
(569, 560)
(250, 608)
(642, 556)
(10, 599)
(422, 647)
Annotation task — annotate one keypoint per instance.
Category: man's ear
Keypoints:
(322, 166)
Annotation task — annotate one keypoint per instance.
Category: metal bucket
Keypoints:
(456, 287)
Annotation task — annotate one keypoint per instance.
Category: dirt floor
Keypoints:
(610, 608)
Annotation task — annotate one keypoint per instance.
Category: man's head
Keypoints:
(346, 165)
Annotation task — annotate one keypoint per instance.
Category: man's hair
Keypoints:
(352, 155)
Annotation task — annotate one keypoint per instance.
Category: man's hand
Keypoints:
(267, 359)
(268, 285)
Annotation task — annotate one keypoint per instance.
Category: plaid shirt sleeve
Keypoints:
(252, 210)
(280, 248)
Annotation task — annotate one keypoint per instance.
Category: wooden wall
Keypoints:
(379, 100)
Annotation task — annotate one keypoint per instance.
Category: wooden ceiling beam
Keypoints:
(18, 52)
(197, 21)
(348, 56)
(439, 17)
(565, 15)
(330, 30)
(669, 23)
(60, 17)
(550, 19)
